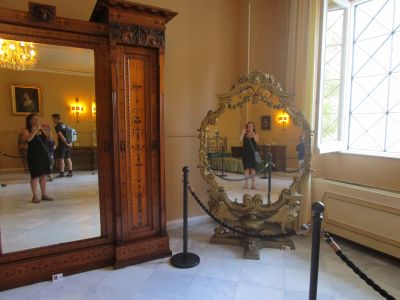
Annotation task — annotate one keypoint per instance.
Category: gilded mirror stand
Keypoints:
(252, 214)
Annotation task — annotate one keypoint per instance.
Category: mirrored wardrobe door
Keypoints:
(48, 167)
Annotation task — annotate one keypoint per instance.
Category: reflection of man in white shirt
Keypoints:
(28, 104)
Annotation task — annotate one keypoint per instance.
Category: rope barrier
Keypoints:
(292, 171)
(236, 230)
(335, 247)
(12, 156)
(318, 208)
(244, 178)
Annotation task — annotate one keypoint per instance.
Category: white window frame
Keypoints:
(342, 144)
(343, 114)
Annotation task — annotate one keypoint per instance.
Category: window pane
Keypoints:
(395, 65)
(365, 133)
(376, 19)
(372, 56)
(394, 93)
(330, 130)
(375, 87)
(393, 136)
(369, 94)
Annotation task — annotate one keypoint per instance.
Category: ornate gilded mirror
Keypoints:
(263, 198)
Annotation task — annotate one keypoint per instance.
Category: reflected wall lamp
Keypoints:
(77, 109)
(283, 119)
(94, 110)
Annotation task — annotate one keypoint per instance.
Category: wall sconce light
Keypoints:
(77, 109)
(283, 119)
(94, 110)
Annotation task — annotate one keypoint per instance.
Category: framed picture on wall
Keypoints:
(26, 99)
(266, 122)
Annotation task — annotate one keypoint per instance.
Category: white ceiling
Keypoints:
(58, 58)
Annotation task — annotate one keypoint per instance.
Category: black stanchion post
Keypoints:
(317, 210)
(185, 259)
(269, 176)
(223, 163)
(266, 155)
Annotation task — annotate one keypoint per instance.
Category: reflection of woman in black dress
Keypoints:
(250, 140)
(38, 159)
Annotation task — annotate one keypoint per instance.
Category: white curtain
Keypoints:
(302, 67)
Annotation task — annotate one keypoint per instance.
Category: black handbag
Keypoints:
(257, 155)
(49, 158)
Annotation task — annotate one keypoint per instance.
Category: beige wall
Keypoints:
(58, 93)
(206, 50)
(361, 169)
(269, 37)
(201, 60)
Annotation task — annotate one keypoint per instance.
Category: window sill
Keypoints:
(371, 154)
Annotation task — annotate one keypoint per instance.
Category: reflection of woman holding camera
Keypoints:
(250, 140)
(38, 156)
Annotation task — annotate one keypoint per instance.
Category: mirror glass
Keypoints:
(64, 208)
(226, 153)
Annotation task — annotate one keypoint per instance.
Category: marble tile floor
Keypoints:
(279, 181)
(73, 215)
(224, 274)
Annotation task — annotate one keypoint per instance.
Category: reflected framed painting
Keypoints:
(26, 99)
(266, 122)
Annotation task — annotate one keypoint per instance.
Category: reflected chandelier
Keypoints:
(17, 55)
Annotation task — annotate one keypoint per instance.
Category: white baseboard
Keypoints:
(192, 221)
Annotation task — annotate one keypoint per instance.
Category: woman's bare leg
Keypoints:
(42, 183)
(246, 183)
(253, 179)
(34, 189)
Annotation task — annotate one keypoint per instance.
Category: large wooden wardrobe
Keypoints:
(129, 43)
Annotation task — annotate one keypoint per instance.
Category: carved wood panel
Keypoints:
(139, 145)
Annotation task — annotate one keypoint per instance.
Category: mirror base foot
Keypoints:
(252, 245)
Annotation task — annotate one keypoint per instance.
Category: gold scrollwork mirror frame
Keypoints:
(252, 214)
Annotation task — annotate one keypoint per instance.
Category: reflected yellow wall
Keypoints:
(231, 123)
(287, 136)
(229, 126)
(58, 93)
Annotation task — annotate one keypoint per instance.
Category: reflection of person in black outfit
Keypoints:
(63, 146)
(38, 158)
(51, 147)
(300, 148)
(250, 140)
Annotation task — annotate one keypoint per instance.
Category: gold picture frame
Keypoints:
(26, 99)
(265, 122)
